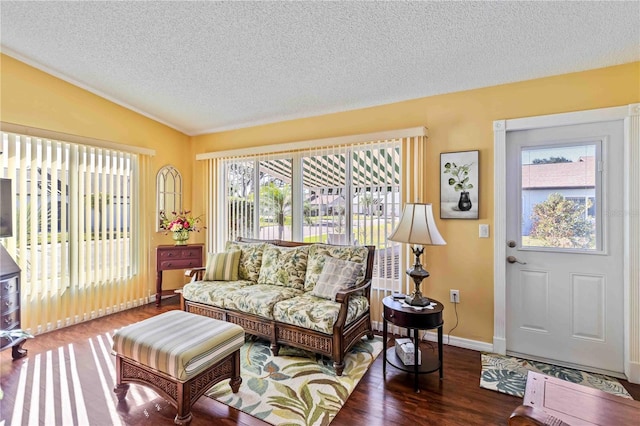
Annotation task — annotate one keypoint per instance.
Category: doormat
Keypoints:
(296, 387)
(508, 375)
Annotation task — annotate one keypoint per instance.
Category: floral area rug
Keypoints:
(509, 375)
(296, 387)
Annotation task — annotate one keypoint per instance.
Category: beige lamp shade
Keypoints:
(417, 226)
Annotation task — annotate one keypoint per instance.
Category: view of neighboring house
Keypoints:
(325, 204)
(574, 180)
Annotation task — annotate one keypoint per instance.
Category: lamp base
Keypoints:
(417, 274)
(417, 299)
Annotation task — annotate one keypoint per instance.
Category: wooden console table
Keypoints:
(551, 401)
(176, 257)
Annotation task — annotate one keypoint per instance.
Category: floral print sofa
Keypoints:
(275, 296)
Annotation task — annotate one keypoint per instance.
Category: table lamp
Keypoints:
(417, 227)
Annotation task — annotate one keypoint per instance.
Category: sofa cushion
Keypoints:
(250, 259)
(317, 256)
(284, 266)
(337, 274)
(211, 292)
(258, 299)
(222, 266)
(315, 313)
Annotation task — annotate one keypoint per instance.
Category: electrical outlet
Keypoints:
(454, 296)
(483, 230)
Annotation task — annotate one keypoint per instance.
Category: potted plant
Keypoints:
(460, 181)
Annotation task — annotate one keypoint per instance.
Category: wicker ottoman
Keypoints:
(179, 355)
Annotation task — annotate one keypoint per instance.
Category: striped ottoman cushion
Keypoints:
(178, 343)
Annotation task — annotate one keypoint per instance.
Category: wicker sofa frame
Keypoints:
(335, 345)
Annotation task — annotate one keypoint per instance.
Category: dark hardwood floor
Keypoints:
(456, 400)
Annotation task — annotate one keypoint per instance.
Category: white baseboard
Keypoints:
(499, 345)
(460, 342)
(633, 375)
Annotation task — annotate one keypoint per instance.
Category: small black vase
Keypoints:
(465, 203)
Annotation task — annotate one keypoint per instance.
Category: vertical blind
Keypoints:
(77, 234)
(342, 194)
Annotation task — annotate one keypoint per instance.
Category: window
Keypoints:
(274, 199)
(76, 237)
(560, 197)
(258, 198)
(343, 190)
(349, 195)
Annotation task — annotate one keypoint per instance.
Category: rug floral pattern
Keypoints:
(509, 375)
(296, 387)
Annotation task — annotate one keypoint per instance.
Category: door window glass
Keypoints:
(560, 188)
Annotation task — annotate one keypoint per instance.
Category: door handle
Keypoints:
(512, 259)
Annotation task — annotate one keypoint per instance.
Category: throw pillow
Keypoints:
(336, 275)
(222, 266)
(250, 259)
(319, 252)
(284, 266)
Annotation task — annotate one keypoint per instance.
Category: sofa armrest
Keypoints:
(343, 295)
(196, 274)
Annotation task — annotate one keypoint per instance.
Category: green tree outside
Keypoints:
(558, 222)
(276, 200)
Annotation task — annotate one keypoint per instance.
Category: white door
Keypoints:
(564, 272)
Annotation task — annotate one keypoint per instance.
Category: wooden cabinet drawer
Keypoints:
(197, 253)
(11, 320)
(180, 264)
(9, 303)
(176, 257)
(181, 254)
(10, 286)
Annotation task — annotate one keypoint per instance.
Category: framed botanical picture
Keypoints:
(459, 185)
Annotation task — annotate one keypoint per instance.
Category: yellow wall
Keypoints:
(33, 98)
(456, 122)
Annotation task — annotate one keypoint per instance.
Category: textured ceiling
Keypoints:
(203, 67)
